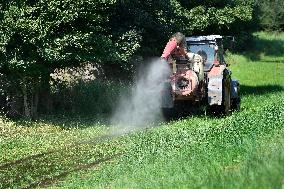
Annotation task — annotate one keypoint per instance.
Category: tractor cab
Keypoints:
(209, 47)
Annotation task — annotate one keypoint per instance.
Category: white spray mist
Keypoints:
(143, 105)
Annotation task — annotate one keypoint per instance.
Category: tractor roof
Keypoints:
(203, 38)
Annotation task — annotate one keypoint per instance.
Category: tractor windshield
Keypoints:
(206, 51)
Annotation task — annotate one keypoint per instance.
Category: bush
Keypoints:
(271, 15)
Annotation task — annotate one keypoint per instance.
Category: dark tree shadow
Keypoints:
(266, 47)
(200, 111)
(67, 122)
(260, 90)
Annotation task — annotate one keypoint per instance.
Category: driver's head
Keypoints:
(203, 54)
(180, 38)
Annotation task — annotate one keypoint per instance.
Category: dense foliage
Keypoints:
(156, 20)
(271, 15)
(39, 36)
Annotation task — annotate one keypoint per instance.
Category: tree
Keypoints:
(156, 20)
(39, 36)
(271, 15)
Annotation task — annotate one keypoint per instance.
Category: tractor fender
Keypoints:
(215, 90)
(215, 85)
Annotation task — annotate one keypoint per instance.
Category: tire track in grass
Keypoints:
(49, 166)
(35, 156)
(48, 181)
(97, 140)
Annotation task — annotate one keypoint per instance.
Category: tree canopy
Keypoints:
(271, 15)
(38, 36)
(55, 33)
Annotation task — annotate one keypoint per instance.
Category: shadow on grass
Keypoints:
(259, 47)
(260, 90)
(200, 111)
(182, 111)
(66, 122)
(273, 61)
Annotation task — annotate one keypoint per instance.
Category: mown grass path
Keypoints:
(243, 150)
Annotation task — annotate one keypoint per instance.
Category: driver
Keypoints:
(176, 48)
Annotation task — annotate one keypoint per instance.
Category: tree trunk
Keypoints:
(45, 99)
(27, 112)
(49, 104)
(34, 106)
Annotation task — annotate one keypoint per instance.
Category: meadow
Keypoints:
(242, 150)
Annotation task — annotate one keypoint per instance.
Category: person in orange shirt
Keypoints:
(176, 47)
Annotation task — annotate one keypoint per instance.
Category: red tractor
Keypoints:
(206, 81)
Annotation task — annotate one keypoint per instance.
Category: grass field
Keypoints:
(243, 150)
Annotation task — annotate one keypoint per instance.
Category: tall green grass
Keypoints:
(243, 150)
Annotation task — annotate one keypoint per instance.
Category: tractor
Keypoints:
(206, 82)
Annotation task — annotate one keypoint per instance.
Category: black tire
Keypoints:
(168, 113)
(235, 100)
(236, 104)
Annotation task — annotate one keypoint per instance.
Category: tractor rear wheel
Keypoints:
(235, 96)
(168, 113)
(236, 104)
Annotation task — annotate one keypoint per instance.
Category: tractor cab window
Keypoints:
(206, 51)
